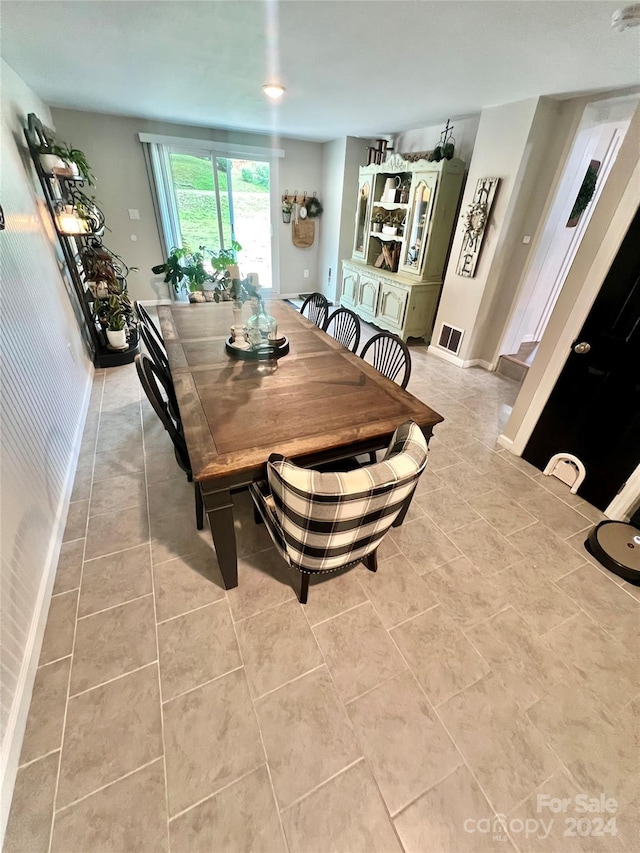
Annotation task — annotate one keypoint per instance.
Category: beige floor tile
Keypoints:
(428, 481)
(174, 534)
(440, 656)
(112, 643)
(117, 531)
(69, 568)
(76, 526)
(277, 646)
(552, 828)
(61, 623)
(512, 481)
(557, 515)
(175, 493)
(29, 826)
(467, 481)
(242, 817)
(334, 592)
(264, 580)
(109, 732)
(453, 434)
(396, 591)
(447, 509)
(358, 651)
(307, 735)
(250, 537)
(465, 593)
(86, 458)
(436, 821)
(82, 485)
(602, 662)
(117, 431)
(558, 488)
(128, 815)
(115, 579)
(441, 455)
(185, 583)
(535, 598)
(424, 545)
(403, 740)
(46, 712)
(576, 543)
(118, 493)
(211, 740)
(590, 512)
(552, 556)
(598, 750)
(502, 512)
(524, 661)
(387, 548)
(128, 460)
(358, 820)
(507, 755)
(196, 648)
(478, 455)
(606, 602)
(519, 463)
(488, 550)
(161, 467)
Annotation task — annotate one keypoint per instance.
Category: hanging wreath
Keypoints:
(585, 194)
(475, 219)
(314, 208)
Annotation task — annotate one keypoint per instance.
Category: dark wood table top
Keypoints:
(318, 398)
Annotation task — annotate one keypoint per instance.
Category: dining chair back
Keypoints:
(316, 308)
(344, 326)
(390, 356)
(323, 522)
(159, 390)
(145, 319)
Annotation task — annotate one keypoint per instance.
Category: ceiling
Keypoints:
(357, 68)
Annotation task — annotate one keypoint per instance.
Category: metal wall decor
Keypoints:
(475, 222)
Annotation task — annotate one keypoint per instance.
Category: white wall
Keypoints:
(114, 151)
(426, 138)
(46, 377)
(499, 149)
(342, 159)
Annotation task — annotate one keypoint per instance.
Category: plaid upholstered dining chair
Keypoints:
(322, 522)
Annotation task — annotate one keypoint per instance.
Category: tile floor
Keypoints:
(488, 661)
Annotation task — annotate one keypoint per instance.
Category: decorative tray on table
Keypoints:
(260, 352)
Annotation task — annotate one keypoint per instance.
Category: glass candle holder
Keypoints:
(261, 326)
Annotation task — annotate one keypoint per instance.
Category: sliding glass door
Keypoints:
(213, 200)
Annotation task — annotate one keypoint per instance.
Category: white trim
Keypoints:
(624, 503)
(254, 152)
(505, 442)
(608, 249)
(17, 722)
(444, 354)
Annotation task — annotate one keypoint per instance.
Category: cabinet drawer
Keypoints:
(393, 304)
(368, 296)
(350, 281)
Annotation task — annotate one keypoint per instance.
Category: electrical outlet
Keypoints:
(306, 273)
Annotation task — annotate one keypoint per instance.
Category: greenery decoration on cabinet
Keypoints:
(405, 215)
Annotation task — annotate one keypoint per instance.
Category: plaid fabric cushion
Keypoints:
(323, 521)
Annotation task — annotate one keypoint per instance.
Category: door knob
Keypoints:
(582, 348)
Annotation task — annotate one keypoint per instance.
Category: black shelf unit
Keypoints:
(60, 190)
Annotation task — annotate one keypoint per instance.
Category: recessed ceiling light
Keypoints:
(273, 90)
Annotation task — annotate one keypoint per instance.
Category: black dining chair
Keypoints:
(160, 393)
(316, 308)
(152, 338)
(344, 326)
(390, 356)
(145, 320)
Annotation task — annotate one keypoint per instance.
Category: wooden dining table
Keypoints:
(317, 404)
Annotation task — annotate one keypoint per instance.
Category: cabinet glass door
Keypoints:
(362, 220)
(418, 221)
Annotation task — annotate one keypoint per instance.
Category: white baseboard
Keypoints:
(14, 735)
(507, 443)
(433, 349)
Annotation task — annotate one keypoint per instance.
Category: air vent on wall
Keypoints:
(450, 338)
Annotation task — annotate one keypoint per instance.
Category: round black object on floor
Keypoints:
(616, 544)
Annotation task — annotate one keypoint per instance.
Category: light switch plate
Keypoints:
(133, 213)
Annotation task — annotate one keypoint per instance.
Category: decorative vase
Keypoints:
(286, 216)
(261, 326)
(237, 313)
(50, 162)
(117, 338)
(376, 227)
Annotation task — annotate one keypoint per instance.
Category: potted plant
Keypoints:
(116, 322)
(63, 160)
(390, 227)
(377, 220)
(187, 272)
(287, 207)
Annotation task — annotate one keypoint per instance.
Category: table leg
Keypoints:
(219, 509)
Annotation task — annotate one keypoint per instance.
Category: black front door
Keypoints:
(594, 409)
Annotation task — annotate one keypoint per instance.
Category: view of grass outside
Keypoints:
(198, 214)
